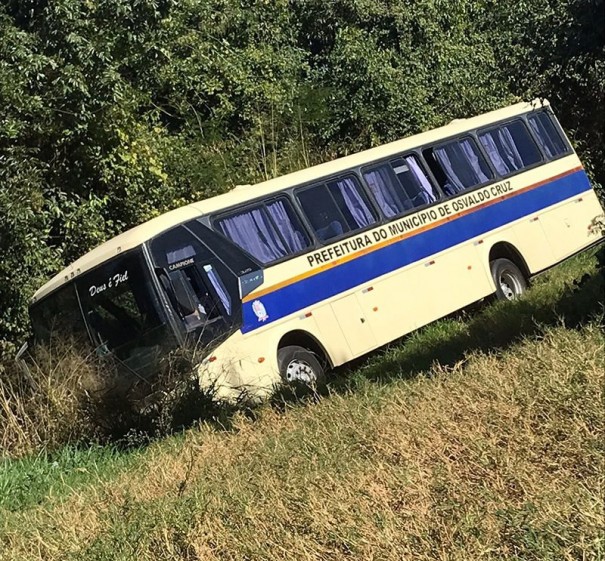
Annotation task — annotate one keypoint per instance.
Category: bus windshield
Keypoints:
(117, 304)
(137, 312)
(121, 309)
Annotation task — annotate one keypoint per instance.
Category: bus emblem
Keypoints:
(259, 310)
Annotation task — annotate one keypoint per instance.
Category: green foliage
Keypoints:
(114, 111)
(397, 70)
(557, 50)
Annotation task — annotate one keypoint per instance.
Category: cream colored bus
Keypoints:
(285, 279)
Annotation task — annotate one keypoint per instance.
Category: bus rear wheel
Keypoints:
(508, 278)
(299, 367)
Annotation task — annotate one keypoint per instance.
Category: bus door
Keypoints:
(204, 290)
(200, 290)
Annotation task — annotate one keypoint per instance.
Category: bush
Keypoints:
(69, 396)
(46, 406)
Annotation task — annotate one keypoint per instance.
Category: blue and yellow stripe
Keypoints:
(343, 274)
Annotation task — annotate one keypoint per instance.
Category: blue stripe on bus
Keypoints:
(328, 283)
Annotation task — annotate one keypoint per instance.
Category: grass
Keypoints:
(30, 481)
(43, 409)
(478, 437)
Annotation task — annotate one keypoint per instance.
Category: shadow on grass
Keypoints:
(497, 325)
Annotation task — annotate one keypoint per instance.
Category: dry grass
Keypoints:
(481, 437)
(497, 457)
(44, 408)
(69, 397)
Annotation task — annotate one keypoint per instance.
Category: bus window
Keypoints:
(414, 181)
(121, 309)
(547, 135)
(510, 147)
(117, 315)
(268, 231)
(192, 297)
(458, 165)
(58, 315)
(399, 186)
(336, 207)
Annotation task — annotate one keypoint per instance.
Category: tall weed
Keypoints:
(67, 395)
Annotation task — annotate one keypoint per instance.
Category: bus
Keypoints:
(281, 281)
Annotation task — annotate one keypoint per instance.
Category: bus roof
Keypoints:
(240, 194)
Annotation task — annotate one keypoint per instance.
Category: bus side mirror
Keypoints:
(249, 281)
(21, 352)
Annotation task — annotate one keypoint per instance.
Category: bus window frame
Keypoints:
(494, 126)
(470, 134)
(172, 317)
(176, 321)
(558, 128)
(232, 211)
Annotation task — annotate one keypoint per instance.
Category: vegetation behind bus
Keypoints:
(112, 113)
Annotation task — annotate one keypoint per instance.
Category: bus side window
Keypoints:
(399, 185)
(458, 165)
(336, 207)
(414, 181)
(267, 231)
(547, 135)
(385, 188)
(288, 225)
(510, 148)
(438, 173)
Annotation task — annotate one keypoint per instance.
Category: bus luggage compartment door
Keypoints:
(354, 324)
(566, 226)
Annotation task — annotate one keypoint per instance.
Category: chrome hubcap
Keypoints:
(509, 285)
(300, 371)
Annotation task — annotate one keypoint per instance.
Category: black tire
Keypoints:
(299, 367)
(509, 280)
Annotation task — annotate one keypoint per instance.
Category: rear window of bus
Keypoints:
(547, 134)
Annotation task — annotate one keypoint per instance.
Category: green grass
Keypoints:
(27, 482)
(478, 437)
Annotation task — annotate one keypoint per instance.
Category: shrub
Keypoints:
(67, 395)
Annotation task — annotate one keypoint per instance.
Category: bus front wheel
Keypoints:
(508, 278)
(300, 367)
